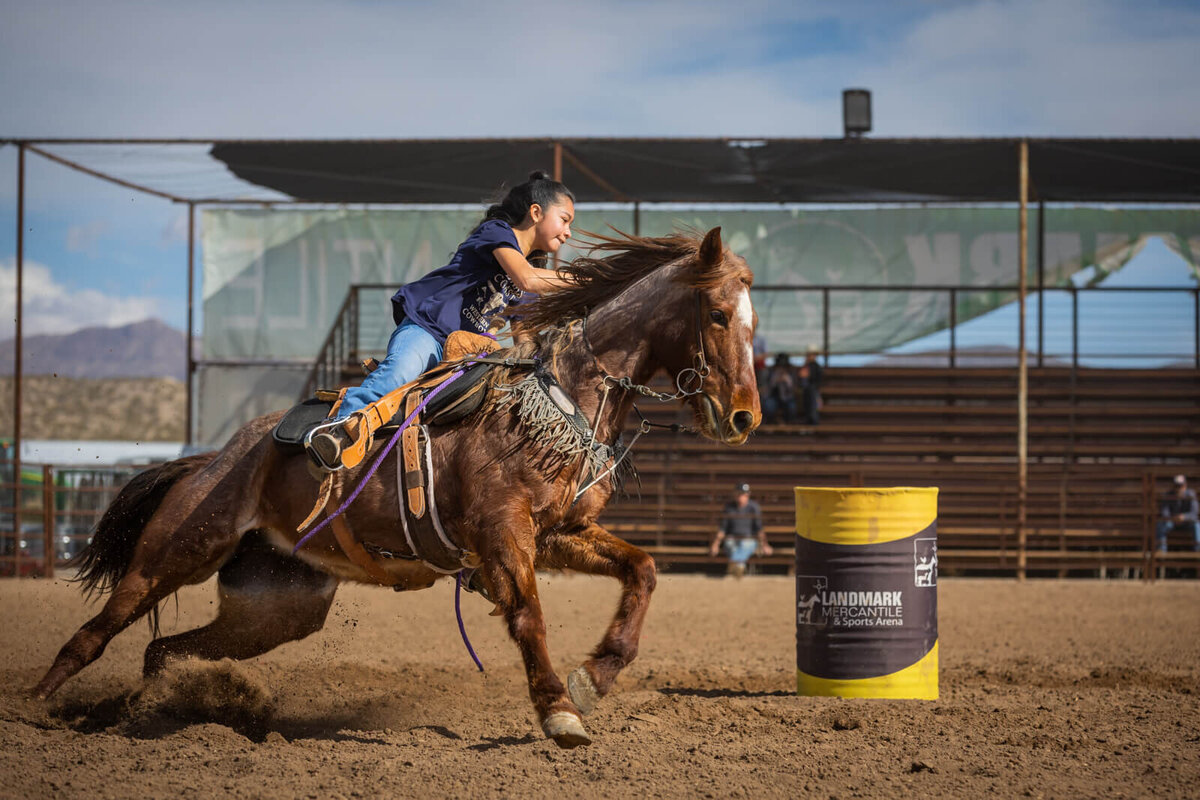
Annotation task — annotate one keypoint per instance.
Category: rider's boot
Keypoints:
(346, 445)
(329, 445)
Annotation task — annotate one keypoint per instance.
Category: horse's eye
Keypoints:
(718, 316)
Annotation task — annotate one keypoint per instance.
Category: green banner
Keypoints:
(274, 280)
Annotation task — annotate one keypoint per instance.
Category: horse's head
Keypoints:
(669, 303)
(717, 339)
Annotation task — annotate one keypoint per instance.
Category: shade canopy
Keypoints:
(725, 170)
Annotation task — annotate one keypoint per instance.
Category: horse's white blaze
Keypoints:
(745, 317)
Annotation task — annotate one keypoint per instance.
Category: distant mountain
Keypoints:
(147, 349)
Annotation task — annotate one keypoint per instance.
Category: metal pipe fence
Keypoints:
(56, 508)
(1103, 326)
(1098, 326)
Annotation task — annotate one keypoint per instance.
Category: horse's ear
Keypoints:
(711, 249)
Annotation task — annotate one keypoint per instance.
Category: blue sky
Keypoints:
(97, 254)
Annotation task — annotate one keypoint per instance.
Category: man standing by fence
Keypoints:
(741, 531)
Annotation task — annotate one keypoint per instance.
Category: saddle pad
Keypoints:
(452, 404)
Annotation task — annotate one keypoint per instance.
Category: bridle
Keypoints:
(685, 379)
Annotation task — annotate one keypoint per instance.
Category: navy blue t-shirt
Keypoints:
(466, 293)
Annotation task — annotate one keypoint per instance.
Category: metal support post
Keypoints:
(18, 348)
(191, 362)
(1022, 362)
(1041, 282)
(953, 323)
(1074, 328)
(825, 323)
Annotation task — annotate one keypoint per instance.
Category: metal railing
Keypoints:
(1143, 326)
(1134, 319)
(339, 348)
(352, 337)
(60, 506)
(47, 516)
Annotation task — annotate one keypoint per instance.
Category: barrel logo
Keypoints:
(925, 561)
(845, 609)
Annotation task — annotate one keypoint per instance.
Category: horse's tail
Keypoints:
(106, 558)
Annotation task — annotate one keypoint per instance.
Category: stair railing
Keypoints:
(340, 346)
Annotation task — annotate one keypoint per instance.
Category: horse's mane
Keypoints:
(549, 323)
(597, 278)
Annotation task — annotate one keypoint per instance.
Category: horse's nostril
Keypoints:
(741, 421)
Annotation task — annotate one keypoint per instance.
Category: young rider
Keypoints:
(488, 271)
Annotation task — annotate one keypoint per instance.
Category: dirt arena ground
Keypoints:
(1048, 689)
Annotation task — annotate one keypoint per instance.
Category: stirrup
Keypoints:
(319, 458)
(472, 581)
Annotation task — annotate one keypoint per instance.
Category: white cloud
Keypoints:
(1067, 67)
(50, 307)
(83, 238)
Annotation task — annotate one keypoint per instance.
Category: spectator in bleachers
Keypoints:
(1179, 513)
(779, 402)
(810, 387)
(741, 531)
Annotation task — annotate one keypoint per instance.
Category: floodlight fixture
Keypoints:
(856, 112)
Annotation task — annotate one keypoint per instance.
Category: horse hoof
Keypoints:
(583, 691)
(566, 730)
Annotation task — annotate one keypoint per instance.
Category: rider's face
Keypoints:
(552, 225)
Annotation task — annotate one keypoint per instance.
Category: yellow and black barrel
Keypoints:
(866, 592)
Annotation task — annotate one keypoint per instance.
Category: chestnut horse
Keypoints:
(675, 303)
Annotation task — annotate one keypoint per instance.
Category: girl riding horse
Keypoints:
(488, 271)
(513, 502)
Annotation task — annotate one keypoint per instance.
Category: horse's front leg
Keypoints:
(513, 586)
(596, 551)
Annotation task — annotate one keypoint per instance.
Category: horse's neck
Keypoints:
(621, 356)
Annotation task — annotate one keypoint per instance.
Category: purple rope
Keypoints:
(371, 472)
(462, 629)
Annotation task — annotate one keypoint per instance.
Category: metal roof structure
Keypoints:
(645, 170)
(860, 170)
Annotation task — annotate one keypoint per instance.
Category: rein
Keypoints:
(683, 380)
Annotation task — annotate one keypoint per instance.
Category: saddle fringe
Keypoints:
(547, 425)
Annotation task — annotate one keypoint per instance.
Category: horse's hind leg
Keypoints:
(189, 535)
(267, 598)
(134, 596)
(596, 551)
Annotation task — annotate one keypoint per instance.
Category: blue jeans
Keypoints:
(411, 350)
(1165, 526)
(739, 550)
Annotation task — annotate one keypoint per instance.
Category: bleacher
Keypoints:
(1102, 446)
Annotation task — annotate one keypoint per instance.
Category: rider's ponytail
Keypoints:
(540, 189)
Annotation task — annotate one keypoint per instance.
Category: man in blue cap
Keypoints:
(741, 531)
